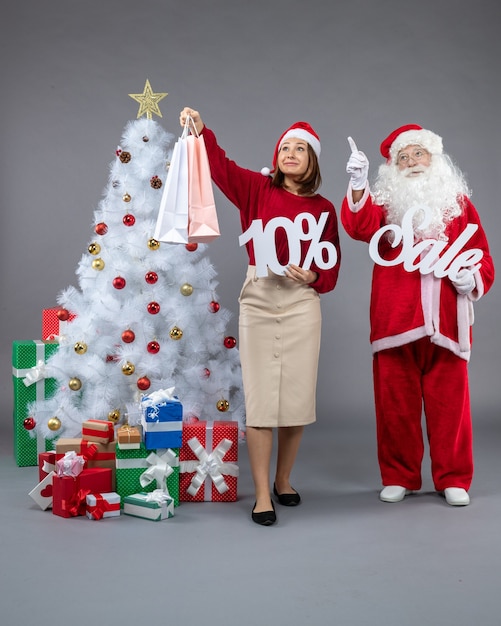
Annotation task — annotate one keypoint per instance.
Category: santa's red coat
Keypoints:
(406, 306)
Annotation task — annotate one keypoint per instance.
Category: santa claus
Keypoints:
(431, 262)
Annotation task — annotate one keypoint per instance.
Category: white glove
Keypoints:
(465, 282)
(357, 167)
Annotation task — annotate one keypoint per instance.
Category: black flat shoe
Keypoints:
(265, 518)
(287, 499)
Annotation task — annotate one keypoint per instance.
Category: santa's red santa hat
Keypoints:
(410, 135)
(298, 130)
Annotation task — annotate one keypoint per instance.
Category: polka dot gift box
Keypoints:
(208, 470)
(142, 470)
(30, 385)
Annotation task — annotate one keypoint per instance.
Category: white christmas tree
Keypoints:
(147, 315)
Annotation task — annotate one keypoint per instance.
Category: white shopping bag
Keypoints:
(172, 221)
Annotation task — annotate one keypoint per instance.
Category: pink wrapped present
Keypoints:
(71, 464)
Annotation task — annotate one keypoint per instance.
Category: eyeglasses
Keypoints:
(417, 155)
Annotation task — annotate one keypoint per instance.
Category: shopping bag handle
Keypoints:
(187, 129)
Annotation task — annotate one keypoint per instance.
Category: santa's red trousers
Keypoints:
(408, 379)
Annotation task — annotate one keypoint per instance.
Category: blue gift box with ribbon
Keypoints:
(162, 420)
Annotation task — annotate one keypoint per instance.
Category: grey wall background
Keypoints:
(357, 68)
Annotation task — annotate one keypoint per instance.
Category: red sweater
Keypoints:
(406, 306)
(258, 199)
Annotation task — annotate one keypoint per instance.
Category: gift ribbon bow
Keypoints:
(77, 503)
(160, 496)
(209, 464)
(159, 396)
(127, 430)
(161, 467)
(36, 373)
(88, 450)
(48, 467)
(101, 507)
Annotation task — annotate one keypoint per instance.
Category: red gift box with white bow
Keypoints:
(208, 470)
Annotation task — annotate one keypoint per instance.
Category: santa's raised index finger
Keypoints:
(353, 145)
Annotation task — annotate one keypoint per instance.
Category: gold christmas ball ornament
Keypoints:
(176, 333)
(98, 264)
(222, 405)
(80, 347)
(75, 384)
(126, 197)
(186, 289)
(114, 416)
(153, 244)
(54, 423)
(94, 248)
(128, 368)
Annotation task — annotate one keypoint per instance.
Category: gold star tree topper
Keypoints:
(148, 101)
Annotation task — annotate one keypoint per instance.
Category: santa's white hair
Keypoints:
(440, 187)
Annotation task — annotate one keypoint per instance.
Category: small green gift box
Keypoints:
(30, 384)
(156, 505)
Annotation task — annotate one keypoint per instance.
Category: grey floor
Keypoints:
(342, 557)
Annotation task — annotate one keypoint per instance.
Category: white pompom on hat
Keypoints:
(299, 130)
(409, 135)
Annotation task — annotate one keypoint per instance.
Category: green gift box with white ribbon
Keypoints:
(143, 470)
(156, 505)
(30, 384)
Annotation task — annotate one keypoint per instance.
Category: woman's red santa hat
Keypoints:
(410, 135)
(299, 130)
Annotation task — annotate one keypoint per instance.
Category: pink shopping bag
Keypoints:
(203, 225)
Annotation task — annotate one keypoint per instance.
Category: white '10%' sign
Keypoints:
(304, 228)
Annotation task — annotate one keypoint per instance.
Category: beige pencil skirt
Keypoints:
(279, 343)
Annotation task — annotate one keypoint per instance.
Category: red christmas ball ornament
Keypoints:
(206, 372)
(129, 220)
(63, 314)
(101, 228)
(29, 423)
(230, 342)
(111, 358)
(153, 347)
(214, 306)
(191, 247)
(143, 383)
(151, 278)
(119, 282)
(153, 308)
(128, 336)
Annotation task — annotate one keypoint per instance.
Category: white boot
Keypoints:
(455, 496)
(393, 493)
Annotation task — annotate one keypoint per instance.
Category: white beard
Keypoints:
(439, 187)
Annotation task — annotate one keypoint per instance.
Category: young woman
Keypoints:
(280, 317)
